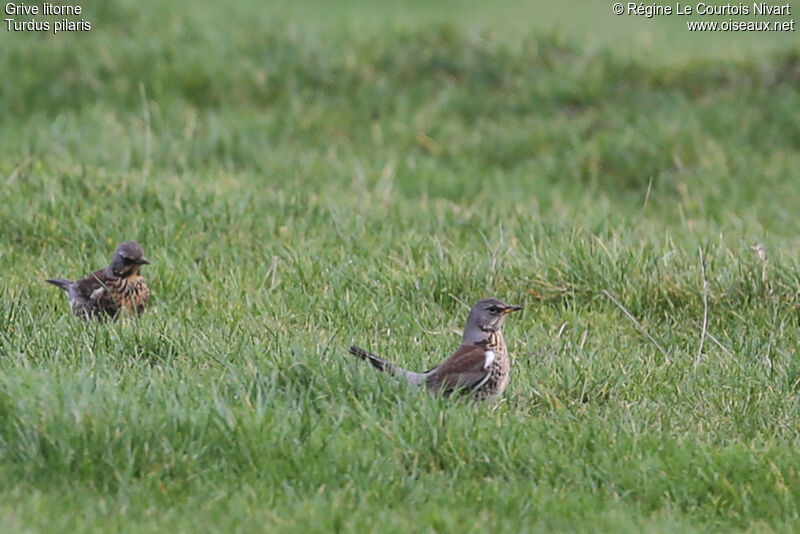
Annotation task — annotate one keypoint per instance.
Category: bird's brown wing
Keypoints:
(463, 370)
(86, 286)
(93, 291)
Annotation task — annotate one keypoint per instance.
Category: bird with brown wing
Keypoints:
(480, 366)
(107, 292)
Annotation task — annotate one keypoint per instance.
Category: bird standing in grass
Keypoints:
(480, 366)
(107, 292)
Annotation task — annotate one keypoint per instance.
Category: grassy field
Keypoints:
(304, 179)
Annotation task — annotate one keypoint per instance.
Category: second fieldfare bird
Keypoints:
(480, 366)
(107, 292)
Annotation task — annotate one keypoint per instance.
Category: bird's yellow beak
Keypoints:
(512, 309)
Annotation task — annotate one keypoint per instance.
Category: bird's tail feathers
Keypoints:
(60, 282)
(387, 367)
(376, 361)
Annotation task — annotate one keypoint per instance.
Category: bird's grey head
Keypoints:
(486, 316)
(127, 260)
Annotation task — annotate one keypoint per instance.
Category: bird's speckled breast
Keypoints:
(500, 369)
(131, 294)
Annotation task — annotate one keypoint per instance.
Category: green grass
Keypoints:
(302, 180)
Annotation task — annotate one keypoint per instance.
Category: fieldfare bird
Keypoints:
(118, 287)
(480, 366)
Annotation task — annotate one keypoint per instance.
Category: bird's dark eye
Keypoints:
(494, 309)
